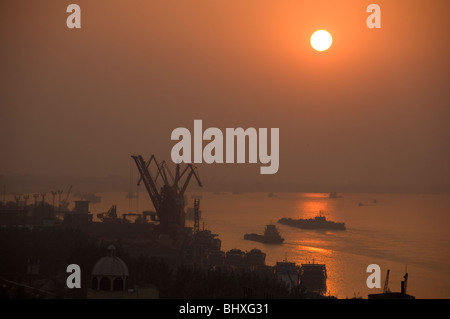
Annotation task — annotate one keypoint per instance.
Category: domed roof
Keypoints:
(110, 265)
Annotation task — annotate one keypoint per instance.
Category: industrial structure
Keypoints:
(388, 294)
(160, 235)
(166, 190)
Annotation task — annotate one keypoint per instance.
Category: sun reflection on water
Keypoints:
(311, 204)
(306, 254)
(318, 250)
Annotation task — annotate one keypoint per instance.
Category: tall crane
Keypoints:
(386, 283)
(65, 204)
(166, 190)
(196, 215)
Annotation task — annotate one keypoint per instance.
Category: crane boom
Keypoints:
(147, 164)
(194, 173)
(147, 179)
(165, 168)
(68, 193)
(65, 200)
(386, 283)
(167, 192)
(196, 215)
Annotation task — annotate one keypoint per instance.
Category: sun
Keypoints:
(321, 40)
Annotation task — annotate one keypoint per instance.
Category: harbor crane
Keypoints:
(65, 204)
(386, 283)
(166, 190)
(196, 215)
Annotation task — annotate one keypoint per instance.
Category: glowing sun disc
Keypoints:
(321, 40)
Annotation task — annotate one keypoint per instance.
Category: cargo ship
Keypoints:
(288, 273)
(318, 222)
(313, 277)
(271, 236)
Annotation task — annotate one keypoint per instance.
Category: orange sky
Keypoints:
(372, 110)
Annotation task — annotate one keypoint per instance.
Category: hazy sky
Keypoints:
(372, 110)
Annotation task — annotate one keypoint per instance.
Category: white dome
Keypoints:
(110, 265)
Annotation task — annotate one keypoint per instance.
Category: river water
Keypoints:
(396, 231)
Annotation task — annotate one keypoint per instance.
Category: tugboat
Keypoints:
(271, 236)
(319, 222)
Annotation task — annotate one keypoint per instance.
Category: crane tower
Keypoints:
(166, 190)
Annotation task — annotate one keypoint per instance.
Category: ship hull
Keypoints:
(312, 224)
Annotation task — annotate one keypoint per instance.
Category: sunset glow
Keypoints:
(321, 40)
(236, 153)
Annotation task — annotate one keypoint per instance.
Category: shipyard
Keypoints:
(155, 238)
(130, 255)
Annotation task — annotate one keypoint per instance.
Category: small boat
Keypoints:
(334, 195)
(271, 236)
